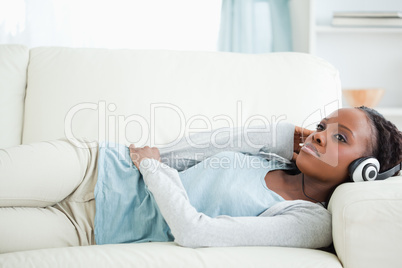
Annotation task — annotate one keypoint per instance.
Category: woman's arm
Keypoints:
(276, 138)
(289, 223)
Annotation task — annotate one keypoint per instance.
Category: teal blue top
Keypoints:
(228, 183)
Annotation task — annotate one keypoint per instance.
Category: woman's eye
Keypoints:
(320, 127)
(340, 137)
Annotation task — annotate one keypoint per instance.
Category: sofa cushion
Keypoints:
(170, 255)
(155, 97)
(13, 69)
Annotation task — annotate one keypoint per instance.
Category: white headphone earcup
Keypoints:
(364, 169)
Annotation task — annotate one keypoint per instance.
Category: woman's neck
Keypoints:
(315, 190)
(290, 187)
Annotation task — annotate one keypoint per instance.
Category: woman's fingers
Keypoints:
(139, 154)
(300, 136)
(302, 133)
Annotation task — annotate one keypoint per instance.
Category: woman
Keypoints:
(289, 219)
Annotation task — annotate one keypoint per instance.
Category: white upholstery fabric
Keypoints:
(169, 255)
(113, 92)
(13, 68)
(367, 223)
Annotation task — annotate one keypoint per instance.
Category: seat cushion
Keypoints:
(170, 255)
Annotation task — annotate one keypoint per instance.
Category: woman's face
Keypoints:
(339, 139)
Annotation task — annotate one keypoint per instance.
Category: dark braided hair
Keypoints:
(387, 139)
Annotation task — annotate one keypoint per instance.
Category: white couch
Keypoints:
(154, 97)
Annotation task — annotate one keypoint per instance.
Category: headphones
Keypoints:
(367, 169)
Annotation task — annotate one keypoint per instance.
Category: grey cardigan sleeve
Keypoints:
(289, 223)
(271, 139)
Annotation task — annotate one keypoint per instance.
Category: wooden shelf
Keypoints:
(326, 29)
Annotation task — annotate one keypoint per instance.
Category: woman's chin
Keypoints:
(321, 170)
(310, 165)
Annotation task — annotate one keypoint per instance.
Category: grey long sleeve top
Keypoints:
(290, 223)
(269, 141)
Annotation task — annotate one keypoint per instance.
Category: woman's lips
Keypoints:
(310, 148)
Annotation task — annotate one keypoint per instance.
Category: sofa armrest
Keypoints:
(367, 223)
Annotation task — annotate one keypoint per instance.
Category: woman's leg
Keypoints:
(41, 174)
(27, 228)
(46, 195)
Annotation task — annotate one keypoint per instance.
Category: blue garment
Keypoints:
(228, 183)
(126, 212)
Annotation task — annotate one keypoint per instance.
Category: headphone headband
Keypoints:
(389, 172)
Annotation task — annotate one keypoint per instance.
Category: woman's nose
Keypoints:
(320, 137)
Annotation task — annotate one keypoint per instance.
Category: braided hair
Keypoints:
(387, 139)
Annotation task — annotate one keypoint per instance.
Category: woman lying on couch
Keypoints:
(245, 197)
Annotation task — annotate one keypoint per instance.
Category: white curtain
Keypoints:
(139, 24)
(255, 26)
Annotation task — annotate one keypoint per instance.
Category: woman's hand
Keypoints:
(139, 154)
(299, 137)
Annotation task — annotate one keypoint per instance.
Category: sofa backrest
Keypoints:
(13, 69)
(155, 97)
